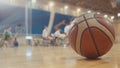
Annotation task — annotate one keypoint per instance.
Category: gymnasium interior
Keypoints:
(27, 19)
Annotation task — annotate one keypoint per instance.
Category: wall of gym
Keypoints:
(14, 16)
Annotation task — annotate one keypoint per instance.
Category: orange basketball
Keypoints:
(92, 36)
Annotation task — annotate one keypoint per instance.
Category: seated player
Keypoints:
(59, 37)
(67, 29)
(15, 42)
(45, 38)
(45, 33)
(57, 33)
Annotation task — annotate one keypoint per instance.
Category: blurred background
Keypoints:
(29, 17)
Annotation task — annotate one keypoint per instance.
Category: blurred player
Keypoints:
(45, 33)
(7, 35)
(67, 29)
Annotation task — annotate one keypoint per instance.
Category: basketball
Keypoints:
(92, 35)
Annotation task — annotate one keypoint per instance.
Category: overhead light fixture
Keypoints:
(66, 7)
(98, 12)
(51, 4)
(33, 1)
(105, 16)
(89, 11)
(118, 14)
(112, 17)
(78, 10)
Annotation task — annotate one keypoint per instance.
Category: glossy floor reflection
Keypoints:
(55, 57)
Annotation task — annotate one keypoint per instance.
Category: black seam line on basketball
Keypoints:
(88, 19)
(82, 15)
(104, 26)
(81, 41)
(103, 33)
(92, 36)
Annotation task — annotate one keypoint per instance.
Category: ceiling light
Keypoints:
(112, 17)
(33, 1)
(89, 11)
(66, 7)
(105, 16)
(98, 12)
(78, 10)
(118, 14)
(51, 4)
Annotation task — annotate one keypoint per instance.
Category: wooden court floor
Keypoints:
(55, 57)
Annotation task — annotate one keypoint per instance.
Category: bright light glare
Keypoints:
(78, 10)
(33, 1)
(66, 7)
(51, 4)
(89, 11)
(112, 17)
(105, 16)
(118, 14)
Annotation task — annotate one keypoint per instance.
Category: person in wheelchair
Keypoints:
(45, 36)
(59, 36)
(67, 29)
(47, 39)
